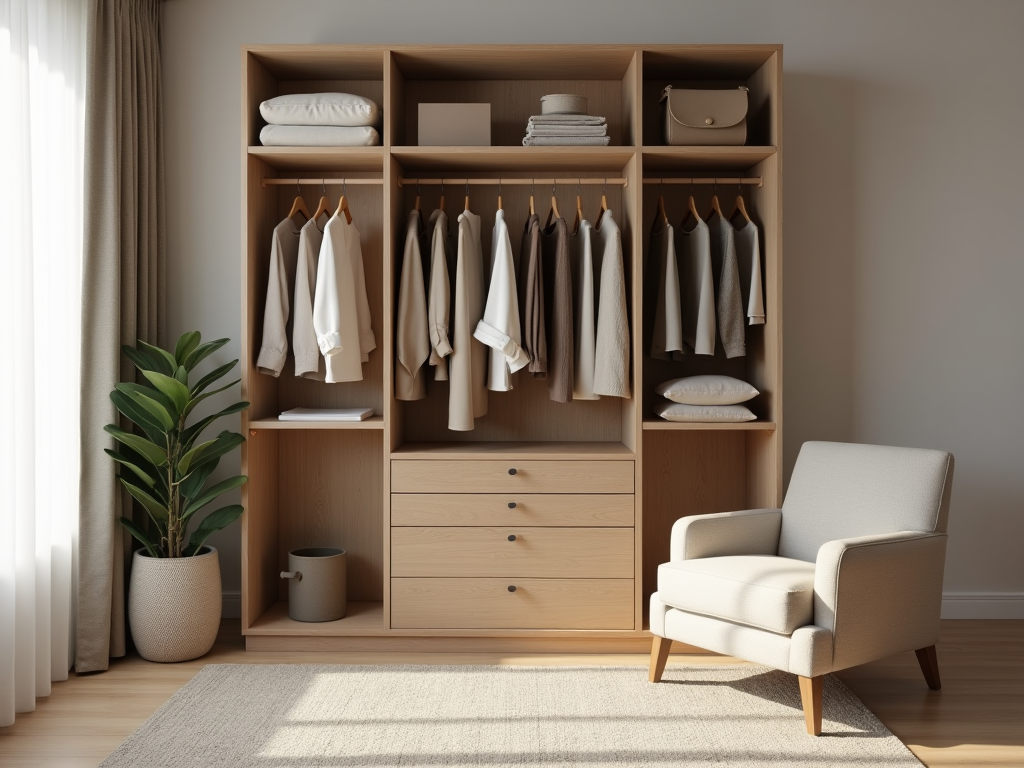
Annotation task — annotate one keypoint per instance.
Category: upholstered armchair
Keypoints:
(848, 571)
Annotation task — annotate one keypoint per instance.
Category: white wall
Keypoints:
(904, 193)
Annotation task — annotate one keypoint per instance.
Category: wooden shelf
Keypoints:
(699, 158)
(321, 158)
(532, 159)
(374, 422)
(360, 619)
(584, 451)
(698, 426)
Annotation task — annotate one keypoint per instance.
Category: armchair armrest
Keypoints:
(879, 595)
(751, 532)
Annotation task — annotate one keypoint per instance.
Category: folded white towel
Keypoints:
(567, 130)
(319, 136)
(566, 120)
(566, 141)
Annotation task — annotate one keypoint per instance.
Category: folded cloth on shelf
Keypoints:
(320, 109)
(566, 141)
(566, 130)
(319, 136)
(566, 120)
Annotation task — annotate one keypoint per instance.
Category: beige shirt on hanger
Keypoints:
(558, 310)
(611, 357)
(667, 339)
(412, 341)
(698, 289)
(341, 312)
(584, 324)
(439, 307)
(499, 329)
(467, 396)
(284, 250)
(748, 252)
(304, 344)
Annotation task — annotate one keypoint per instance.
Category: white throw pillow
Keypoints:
(707, 390)
(320, 109)
(681, 412)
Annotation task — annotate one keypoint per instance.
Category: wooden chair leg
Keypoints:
(930, 666)
(810, 695)
(660, 650)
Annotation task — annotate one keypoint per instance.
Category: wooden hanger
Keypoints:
(499, 194)
(604, 205)
(691, 210)
(299, 206)
(440, 203)
(417, 204)
(343, 206)
(715, 208)
(325, 204)
(661, 209)
(532, 211)
(466, 206)
(741, 208)
(554, 209)
(579, 212)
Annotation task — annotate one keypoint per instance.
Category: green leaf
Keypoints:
(181, 375)
(142, 359)
(239, 406)
(141, 535)
(159, 489)
(156, 411)
(191, 433)
(186, 346)
(142, 418)
(212, 523)
(185, 462)
(154, 454)
(212, 493)
(192, 484)
(172, 388)
(155, 509)
(214, 449)
(166, 360)
(212, 376)
(141, 474)
(201, 352)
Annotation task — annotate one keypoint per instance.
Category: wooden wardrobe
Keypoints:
(542, 529)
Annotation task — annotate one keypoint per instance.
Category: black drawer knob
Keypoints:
(512, 471)
(511, 589)
(512, 537)
(511, 505)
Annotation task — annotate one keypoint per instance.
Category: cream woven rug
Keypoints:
(304, 715)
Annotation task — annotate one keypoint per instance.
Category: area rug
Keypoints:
(309, 715)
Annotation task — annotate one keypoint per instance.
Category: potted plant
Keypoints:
(174, 597)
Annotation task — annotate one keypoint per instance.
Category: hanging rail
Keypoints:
(724, 181)
(293, 182)
(600, 181)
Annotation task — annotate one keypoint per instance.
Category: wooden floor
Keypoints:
(976, 720)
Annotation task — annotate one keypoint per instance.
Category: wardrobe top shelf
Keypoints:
(579, 451)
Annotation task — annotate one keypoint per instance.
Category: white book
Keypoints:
(327, 414)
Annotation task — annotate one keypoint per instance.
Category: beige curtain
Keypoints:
(123, 288)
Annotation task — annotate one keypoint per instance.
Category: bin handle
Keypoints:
(297, 575)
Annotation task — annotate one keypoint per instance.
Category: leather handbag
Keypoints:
(703, 118)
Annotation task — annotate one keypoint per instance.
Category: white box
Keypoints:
(455, 125)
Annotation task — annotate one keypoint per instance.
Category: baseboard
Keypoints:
(983, 605)
(231, 605)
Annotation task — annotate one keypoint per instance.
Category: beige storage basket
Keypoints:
(563, 104)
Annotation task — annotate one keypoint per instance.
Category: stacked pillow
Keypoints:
(705, 398)
(320, 120)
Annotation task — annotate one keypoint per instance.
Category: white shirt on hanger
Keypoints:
(698, 289)
(667, 340)
(304, 344)
(611, 355)
(439, 296)
(467, 396)
(584, 326)
(412, 342)
(284, 249)
(748, 252)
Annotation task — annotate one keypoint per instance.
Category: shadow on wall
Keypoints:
(819, 271)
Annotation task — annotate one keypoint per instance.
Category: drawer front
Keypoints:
(554, 509)
(544, 553)
(535, 604)
(512, 476)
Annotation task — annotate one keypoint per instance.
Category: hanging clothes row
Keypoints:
(497, 321)
(316, 295)
(708, 278)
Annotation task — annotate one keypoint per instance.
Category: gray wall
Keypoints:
(904, 191)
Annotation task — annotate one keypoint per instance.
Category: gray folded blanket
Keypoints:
(566, 141)
(567, 130)
(566, 119)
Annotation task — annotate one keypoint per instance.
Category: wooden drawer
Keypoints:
(560, 509)
(543, 553)
(512, 476)
(535, 604)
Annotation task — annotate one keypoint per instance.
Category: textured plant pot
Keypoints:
(174, 605)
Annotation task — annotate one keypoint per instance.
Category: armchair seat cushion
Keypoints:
(772, 593)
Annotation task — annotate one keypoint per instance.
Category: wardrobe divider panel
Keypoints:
(394, 101)
(632, 115)
(260, 85)
(260, 541)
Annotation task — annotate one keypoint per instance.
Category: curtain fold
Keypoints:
(123, 289)
(42, 89)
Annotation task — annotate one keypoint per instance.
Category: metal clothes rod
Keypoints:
(293, 182)
(754, 180)
(601, 181)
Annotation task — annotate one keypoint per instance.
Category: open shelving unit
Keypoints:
(351, 484)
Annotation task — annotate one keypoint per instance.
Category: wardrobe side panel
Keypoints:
(258, 86)
(260, 524)
(764, 366)
(631, 107)
(394, 102)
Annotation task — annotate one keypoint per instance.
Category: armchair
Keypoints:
(848, 571)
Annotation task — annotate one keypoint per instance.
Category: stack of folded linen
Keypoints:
(566, 130)
(320, 120)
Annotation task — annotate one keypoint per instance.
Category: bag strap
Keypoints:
(664, 93)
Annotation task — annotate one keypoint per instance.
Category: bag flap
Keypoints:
(693, 108)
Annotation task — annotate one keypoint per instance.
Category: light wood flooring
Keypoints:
(976, 720)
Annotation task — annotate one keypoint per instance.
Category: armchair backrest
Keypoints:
(844, 490)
